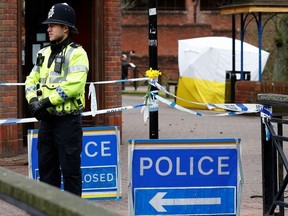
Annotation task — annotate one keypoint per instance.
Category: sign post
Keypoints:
(153, 63)
(184, 177)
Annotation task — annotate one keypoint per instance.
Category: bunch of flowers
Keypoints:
(152, 75)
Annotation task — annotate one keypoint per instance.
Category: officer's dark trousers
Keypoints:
(59, 149)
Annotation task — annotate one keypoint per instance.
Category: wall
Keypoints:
(27, 194)
(9, 49)
(112, 37)
(247, 91)
(172, 26)
(11, 136)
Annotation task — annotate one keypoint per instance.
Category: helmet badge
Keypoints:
(51, 12)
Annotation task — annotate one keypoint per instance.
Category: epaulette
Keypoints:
(75, 45)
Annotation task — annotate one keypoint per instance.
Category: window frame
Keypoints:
(167, 5)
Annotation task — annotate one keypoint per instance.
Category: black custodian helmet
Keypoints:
(63, 14)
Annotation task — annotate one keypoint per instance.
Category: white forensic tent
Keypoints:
(203, 63)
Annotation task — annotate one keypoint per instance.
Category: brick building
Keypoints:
(181, 19)
(21, 33)
(104, 33)
(9, 68)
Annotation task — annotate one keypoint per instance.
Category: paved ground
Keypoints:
(177, 124)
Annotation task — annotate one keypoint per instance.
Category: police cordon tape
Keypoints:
(234, 109)
(231, 107)
(88, 113)
(99, 82)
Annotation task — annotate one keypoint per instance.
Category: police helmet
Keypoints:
(63, 14)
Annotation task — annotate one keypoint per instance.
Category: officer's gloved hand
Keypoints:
(38, 108)
(34, 105)
(41, 114)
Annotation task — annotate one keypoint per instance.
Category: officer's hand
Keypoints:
(40, 115)
(34, 105)
(38, 108)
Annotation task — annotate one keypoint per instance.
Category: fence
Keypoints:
(274, 160)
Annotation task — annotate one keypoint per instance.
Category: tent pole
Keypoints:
(233, 43)
(242, 46)
(259, 24)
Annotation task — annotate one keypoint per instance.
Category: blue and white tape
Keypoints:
(230, 113)
(92, 94)
(97, 83)
(178, 107)
(89, 113)
(233, 109)
(122, 80)
(12, 84)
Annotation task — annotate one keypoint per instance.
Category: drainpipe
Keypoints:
(195, 10)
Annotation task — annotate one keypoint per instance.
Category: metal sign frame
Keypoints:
(184, 177)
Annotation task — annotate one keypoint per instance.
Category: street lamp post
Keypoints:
(153, 63)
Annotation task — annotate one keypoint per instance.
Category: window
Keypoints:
(212, 4)
(161, 5)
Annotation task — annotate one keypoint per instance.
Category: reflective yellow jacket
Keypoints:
(66, 90)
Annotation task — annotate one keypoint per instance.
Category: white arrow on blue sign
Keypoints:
(185, 201)
(158, 201)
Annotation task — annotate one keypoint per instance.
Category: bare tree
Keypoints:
(281, 55)
(127, 4)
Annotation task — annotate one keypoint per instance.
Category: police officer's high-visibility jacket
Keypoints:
(66, 88)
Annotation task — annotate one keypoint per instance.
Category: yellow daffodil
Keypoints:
(152, 74)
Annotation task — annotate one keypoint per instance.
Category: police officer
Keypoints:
(125, 65)
(55, 91)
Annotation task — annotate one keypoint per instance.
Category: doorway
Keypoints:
(36, 12)
(89, 22)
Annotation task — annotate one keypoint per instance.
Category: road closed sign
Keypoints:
(184, 176)
(99, 162)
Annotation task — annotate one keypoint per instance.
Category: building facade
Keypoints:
(184, 19)
(176, 19)
(106, 31)
(22, 34)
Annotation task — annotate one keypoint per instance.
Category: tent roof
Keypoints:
(209, 57)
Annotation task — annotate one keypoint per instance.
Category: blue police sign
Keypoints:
(184, 177)
(99, 162)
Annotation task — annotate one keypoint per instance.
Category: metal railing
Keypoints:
(274, 160)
